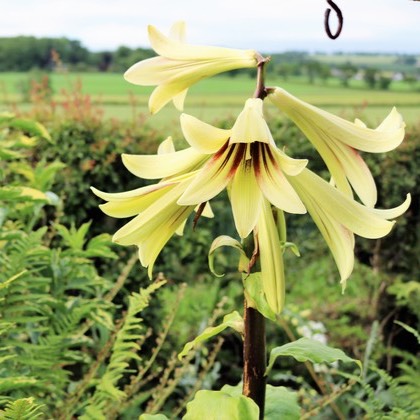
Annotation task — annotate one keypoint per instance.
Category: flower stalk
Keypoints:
(255, 361)
(254, 350)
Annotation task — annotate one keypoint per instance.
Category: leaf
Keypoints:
(32, 127)
(292, 246)
(24, 408)
(409, 329)
(232, 320)
(306, 349)
(99, 246)
(225, 240)
(219, 405)
(153, 417)
(280, 403)
(255, 295)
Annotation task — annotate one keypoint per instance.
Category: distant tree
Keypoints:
(347, 71)
(411, 80)
(312, 68)
(324, 72)
(370, 76)
(384, 82)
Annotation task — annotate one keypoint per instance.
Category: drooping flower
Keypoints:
(245, 160)
(157, 215)
(180, 65)
(338, 217)
(338, 142)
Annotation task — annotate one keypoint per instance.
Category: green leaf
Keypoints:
(409, 329)
(280, 403)
(99, 246)
(153, 417)
(232, 320)
(255, 295)
(24, 408)
(32, 127)
(218, 405)
(313, 351)
(292, 246)
(225, 240)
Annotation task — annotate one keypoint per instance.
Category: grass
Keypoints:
(221, 96)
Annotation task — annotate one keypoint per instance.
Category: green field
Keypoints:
(219, 97)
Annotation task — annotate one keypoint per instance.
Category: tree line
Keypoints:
(26, 53)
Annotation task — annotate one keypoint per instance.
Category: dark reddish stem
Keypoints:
(260, 91)
(255, 361)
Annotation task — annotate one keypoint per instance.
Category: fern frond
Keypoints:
(124, 350)
(23, 409)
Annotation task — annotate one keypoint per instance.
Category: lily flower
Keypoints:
(157, 214)
(245, 160)
(180, 65)
(338, 217)
(338, 142)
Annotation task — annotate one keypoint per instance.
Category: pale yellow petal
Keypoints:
(179, 100)
(131, 206)
(162, 165)
(214, 176)
(271, 257)
(178, 31)
(201, 136)
(152, 71)
(364, 221)
(207, 211)
(246, 198)
(358, 174)
(338, 238)
(274, 184)
(151, 219)
(328, 127)
(123, 196)
(167, 146)
(176, 50)
(287, 164)
(152, 245)
(250, 126)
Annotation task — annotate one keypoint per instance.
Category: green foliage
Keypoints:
(280, 402)
(124, 349)
(306, 349)
(219, 405)
(91, 151)
(232, 320)
(62, 342)
(22, 409)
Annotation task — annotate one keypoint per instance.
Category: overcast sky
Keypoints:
(265, 25)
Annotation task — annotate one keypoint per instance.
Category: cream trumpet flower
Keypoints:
(180, 65)
(338, 140)
(157, 215)
(339, 217)
(246, 160)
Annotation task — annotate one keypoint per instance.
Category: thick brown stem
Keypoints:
(255, 361)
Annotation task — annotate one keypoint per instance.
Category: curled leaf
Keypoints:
(232, 320)
(225, 240)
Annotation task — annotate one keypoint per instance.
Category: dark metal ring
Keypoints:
(327, 22)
